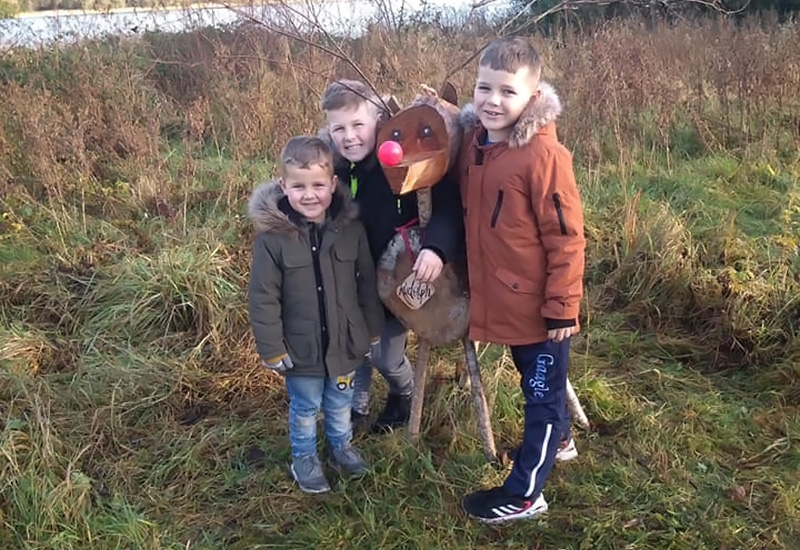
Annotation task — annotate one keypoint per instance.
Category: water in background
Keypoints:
(344, 17)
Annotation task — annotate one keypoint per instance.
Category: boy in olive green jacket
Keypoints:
(314, 307)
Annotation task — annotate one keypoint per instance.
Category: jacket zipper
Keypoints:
(560, 212)
(498, 205)
(315, 236)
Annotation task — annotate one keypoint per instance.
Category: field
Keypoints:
(135, 414)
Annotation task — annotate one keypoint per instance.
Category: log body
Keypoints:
(444, 318)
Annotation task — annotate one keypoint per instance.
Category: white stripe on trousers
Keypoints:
(545, 444)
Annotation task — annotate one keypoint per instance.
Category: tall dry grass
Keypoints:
(122, 129)
(109, 110)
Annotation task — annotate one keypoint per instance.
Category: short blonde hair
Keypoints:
(350, 94)
(511, 54)
(304, 151)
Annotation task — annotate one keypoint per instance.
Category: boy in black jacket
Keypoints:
(354, 114)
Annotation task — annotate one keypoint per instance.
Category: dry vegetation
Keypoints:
(134, 412)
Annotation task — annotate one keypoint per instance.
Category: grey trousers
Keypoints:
(393, 365)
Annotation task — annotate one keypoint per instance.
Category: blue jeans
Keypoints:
(393, 365)
(306, 396)
(543, 372)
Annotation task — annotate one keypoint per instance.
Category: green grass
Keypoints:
(135, 415)
(133, 411)
(662, 471)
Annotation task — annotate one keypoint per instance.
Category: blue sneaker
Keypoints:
(496, 505)
(307, 472)
(348, 459)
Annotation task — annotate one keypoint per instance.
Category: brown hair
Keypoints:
(511, 54)
(303, 151)
(350, 94)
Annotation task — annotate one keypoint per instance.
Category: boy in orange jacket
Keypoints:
(525, 251)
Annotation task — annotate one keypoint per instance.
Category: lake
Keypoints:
(338, 17)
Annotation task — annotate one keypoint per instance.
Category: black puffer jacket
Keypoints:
(382, 212)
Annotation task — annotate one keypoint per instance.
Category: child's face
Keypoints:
(309, 190)
(500, 97)
(353, 131)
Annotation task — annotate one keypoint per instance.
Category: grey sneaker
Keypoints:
(348, 459)
(307, 472)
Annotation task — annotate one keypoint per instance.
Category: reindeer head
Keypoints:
(425, 137)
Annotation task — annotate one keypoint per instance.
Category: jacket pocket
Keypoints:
(294, 258)
(497, 206)
(357, 336)
(561, 223)
(517, 283)
(346, 251)
(300, 338)
(345, 269)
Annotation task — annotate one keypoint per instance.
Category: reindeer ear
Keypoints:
(449, 93)
(392, 104)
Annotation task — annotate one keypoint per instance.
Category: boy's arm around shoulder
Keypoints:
(445, 232)
(367, 280)
(264, 301)
(557, 207)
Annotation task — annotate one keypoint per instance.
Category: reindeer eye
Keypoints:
(396, 134)
(426, 132)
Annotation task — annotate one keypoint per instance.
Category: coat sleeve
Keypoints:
(264, 302)
(368, 297)
(557, 207)
(445, 232)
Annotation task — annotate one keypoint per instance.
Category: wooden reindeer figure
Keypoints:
(418, 147)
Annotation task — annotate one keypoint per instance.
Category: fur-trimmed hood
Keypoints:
(536, 115)
(269, 209)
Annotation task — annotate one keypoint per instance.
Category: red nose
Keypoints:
(390, 153)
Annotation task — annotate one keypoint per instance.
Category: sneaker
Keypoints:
(307, 472)
(358, 420)
(497, 506)
(567, 450)
(348, 460)
(395, 414)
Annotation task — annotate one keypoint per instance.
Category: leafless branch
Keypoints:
(503, 30)
(564, 5)
(716, 5)
(337, 52)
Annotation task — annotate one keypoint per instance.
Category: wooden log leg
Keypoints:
(575, 407)
(479, 401)
(420, 375)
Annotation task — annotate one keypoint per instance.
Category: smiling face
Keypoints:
(309, 190)
(353, 129)
(500, 98)
(427, 131)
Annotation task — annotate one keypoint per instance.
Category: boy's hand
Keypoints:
(281, 365)
(428, 266)
(559, 334)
